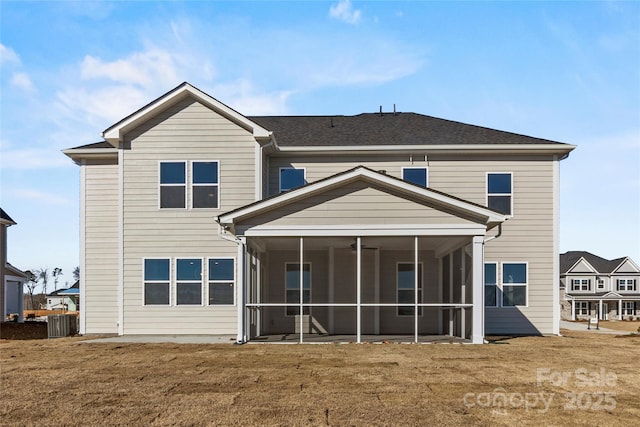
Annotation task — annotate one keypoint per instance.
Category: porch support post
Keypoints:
(301, 318)
(600, 316)
(573, 309)
(241, 290)
(415, 288)
(477, 330)
(331, 289)
(358, 288)
(376, 289)
(620, 309)
(463, 293)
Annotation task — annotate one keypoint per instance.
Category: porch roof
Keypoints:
(470, 217)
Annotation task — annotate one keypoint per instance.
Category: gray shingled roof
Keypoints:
(5, 216)
(101, 144)
(384, 129)
(568, 259)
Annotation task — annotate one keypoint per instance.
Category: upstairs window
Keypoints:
(173, 185)
(205, 185)
(291, 178)
(627, 285)
(416, 176)
(500, 193)
(580, 284)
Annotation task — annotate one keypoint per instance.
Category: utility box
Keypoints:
(61, 325)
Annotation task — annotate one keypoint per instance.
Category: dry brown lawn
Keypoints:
(582, 378)
(621, 325)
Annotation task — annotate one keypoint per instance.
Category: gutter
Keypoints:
(488, 239)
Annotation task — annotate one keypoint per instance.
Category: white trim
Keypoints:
(360, 173)
(358, 289)
(116, 132)
(241, 290)
(257, 173)
(304, 177)
(556, 249)
(525, 285)
(176, 281)
(511, 195)
(83, 248)
(169, 281)
(120, 243)
(426, 173)
(210, 281)
(364, 230)
(592, 268)
(478, 314)
(191, 184)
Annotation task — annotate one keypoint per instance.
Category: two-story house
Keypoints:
(196, 219)
(594, 287)
(12, 280)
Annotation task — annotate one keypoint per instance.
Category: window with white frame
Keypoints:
(291, 178)
(173, 185)
(580, 284)
(500, 192)
(627, 285)
(600, 284)
(406, 288)
(491, 284)
(221, 281)
(582, 308)
(188, 281)
(292, 287)
(514, 284)
(628, 308)
(205, 185)
(157, 281)
(416, 176)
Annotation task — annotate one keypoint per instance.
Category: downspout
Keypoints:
(488, 239)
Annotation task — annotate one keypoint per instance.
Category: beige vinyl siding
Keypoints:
(101, 248)
(187, 132)
(527, 236)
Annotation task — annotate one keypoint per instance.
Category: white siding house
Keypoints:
(199, 220)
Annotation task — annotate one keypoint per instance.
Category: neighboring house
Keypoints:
(196, 219)
(594, 287)
(64, 299)
(12, 280)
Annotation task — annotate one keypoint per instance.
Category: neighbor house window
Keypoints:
(628, 308)
(626, 284)
(292, 287)
(499, 192)
(600, 283)
(205, 185)
(221, 281)
(580, 284)
(157, 281)
(416, 176)
(189, 281)
(514, 284)
(406, 288)
(490, 284)
(582, 308)
(291, 178)
(173, 185)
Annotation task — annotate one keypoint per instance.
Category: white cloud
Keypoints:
(8, 55)
(32, 158)
(242, 96)
(344, 11)
(22, 81)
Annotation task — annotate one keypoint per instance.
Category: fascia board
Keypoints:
(91, 153)
(630, 261)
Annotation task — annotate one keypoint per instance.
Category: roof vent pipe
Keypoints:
(381, 111)
(394, 109)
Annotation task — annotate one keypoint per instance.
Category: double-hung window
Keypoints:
(292, 287)
(490, 284)
(627, 285)
(173, 185)
(416, 176)
(189, 281)
(500, 192)
(221, 281)
(291, 178)
(582, 308)
(628, 308)
(406, 286)
(157, 281)
(514, 284)
(580, 284)
(205, 185)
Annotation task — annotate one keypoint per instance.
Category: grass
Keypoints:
(71, 382)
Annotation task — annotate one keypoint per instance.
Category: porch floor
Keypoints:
(369, 339)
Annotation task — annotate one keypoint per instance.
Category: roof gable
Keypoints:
(626, 266)
(115, 133)
(598, 265)
(381, 183)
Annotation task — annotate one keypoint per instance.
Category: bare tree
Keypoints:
(43, 276)
(57, 272)
(32, 284)
(76, 273)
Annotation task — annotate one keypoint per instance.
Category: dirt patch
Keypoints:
(578, 379)
(23, 331)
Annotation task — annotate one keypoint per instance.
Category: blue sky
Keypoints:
(565, 71)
